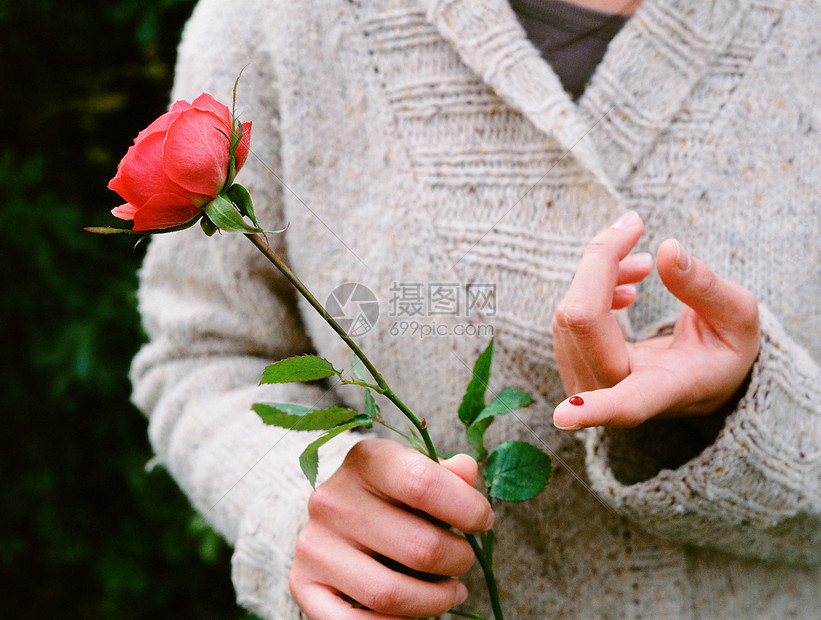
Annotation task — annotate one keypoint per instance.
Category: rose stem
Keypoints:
(262, 245)
(274, 258)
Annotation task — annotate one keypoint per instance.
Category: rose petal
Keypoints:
(124, 212)
(195, 153)
(164, 211)
(208, 103)
(179, 106)
(140, 174)
(160, 125)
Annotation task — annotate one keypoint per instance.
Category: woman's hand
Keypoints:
(693, 372)
(385, 505)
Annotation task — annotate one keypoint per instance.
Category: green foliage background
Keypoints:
(85, 530)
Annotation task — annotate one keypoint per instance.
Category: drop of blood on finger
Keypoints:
(578, 401)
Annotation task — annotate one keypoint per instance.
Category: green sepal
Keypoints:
(516, 471)
(474, 399)
(207, 226)
(309, 459)
(295, 369)
(299, 418)
(108, 230)
(225, 216)
(242, 200)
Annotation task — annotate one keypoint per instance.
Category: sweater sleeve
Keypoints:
(216, 312)
(755, 491)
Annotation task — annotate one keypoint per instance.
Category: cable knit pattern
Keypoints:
(424, 142)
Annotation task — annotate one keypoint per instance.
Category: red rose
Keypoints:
(177, 164)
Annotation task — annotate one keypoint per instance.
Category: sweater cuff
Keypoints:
(754, 491)
(264, 550)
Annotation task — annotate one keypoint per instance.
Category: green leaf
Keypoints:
(371, 408)
(466, 614)
(309, 459)
(360, 371)
(242, 200)
(510, 399)
(476, 437)
(298, 418)
(474, 399)
(302, 368)
(226, 217)
(417, 443)
(516, 471)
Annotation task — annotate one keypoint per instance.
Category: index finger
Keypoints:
(598, 272)
(583, 316)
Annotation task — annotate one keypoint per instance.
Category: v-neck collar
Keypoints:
(652, 66)
(642, 83)
(489, 39)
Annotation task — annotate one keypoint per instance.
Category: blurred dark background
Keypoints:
(85, 531)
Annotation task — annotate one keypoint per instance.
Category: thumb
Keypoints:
(727, 307)
(463, 466)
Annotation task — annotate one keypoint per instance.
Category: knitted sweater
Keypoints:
(418, 143)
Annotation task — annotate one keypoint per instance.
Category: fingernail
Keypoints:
(563, 420)
(627, 290)
(491, 519)
(461, 593)
(683, 260)
(568, 427)
(628, 220)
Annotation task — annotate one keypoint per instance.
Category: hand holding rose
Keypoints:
(381, 503)
(693, 372)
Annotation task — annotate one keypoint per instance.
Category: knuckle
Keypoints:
(380, 595)
(305, 546)
(463, 558)
(748, 311)
(598, 246)
(321, 502)
(295, 586)
(576, 317)
(707, 287)
(425, 549)
(603, 249)
(302, 546)
(417, 485)
(362, 451)
(480, 517)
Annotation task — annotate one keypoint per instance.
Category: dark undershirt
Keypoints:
(571, 38)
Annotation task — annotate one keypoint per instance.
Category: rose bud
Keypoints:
(178, 164)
